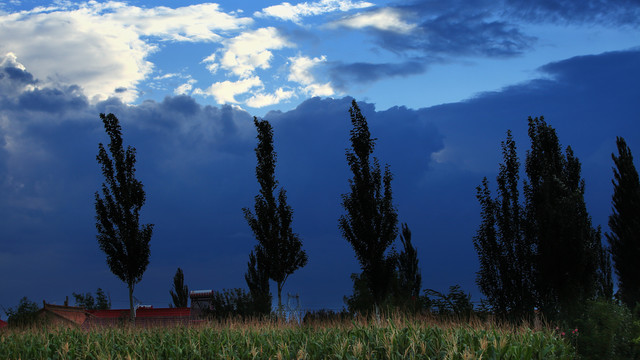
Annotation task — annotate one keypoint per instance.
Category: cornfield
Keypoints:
(395, 338)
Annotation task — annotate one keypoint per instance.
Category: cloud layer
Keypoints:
(197, 165)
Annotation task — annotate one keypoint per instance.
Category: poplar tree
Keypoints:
(258, 283)
(120, 235)
(568, 248)
(180, 292)
(370, 222)
(280, 246)
(505, 254)
(409, 277)
(624, 223)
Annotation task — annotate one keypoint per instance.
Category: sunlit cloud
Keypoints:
(185, 88)
(295, 13)
(104, 46)
(301, 72)
(225, 92)
(262, 100)
(251, 50)
(385, 19)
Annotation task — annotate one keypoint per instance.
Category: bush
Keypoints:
(605, 331)
(23, 314)
(230, 303)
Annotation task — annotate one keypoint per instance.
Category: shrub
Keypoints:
(606, 332)
(23, 314)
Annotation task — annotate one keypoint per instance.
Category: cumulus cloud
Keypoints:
(295, 13)
(301, 72)
(262, 100)
(225, 92)
(383, 19)
(251, 50)
(194, 23)
(185, 88)
(104, 46)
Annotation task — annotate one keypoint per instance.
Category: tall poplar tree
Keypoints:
(624, 223)
(180, 292)
(506, 270)
(280, 246)
(409, 277)
(120, 235)
(568, 248)
(370, 222)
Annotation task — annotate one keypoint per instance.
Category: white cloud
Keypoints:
(319, 89)
(301, 68)
(251, 50)
(295, 13)
(300, 72)
(262, 100)
(385, 19)
(190, 23)
(212, 65)
(225, 92)
(104, 46)
(185, 88)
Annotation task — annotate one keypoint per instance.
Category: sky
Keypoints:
(440, 83)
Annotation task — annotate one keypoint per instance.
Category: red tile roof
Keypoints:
(163, 312)
(142, 312)
(3, 323)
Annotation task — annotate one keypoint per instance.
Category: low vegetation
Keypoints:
(393, 338)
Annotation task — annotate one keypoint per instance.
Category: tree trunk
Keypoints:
(131, 312)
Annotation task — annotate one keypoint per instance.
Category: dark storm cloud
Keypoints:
(444, 31)
(606, 12)
(53, 100)
(344, 74)
(197, 165)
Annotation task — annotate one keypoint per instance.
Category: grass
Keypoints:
(393, 338)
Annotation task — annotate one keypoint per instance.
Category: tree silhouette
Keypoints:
(280, 247)
(624, 223)
(258, 282)
(370, 223)
(505, 254)
(100, 302)
(409, 277)
(120, 236)
(180, 292)
(568, 248)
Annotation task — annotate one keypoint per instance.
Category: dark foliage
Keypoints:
(231, 303)
(454, 304)
(280, 247)
(409, 277)
(100, 302)
(121, 237)
(605, 330)
(370, 224)
(506, 269)
(23, 314)
(180, 292)
(258, 283)
(568, 248)
(624, 223)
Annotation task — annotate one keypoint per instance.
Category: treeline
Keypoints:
(541, 257)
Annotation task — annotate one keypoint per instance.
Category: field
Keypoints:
(396, 338)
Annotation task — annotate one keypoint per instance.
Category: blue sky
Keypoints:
(440, 82)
